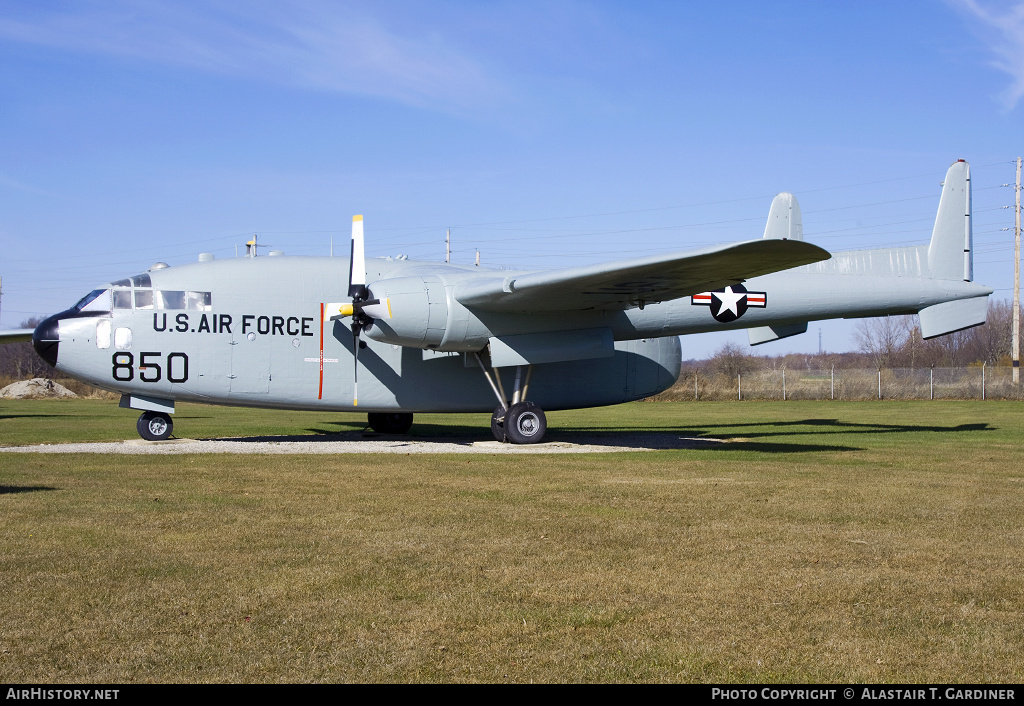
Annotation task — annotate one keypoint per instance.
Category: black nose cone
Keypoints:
(46, 339)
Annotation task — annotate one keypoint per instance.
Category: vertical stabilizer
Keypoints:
(950, 253)
(784, 219)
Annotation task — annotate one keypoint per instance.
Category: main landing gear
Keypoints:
(520, 422)
(154, 426)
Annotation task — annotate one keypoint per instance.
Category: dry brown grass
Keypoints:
(827, 543)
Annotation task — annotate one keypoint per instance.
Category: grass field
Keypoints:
(827, 542)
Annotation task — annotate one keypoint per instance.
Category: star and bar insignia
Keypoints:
(730, 303)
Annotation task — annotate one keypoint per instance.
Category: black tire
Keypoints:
(390, 422)
(498, 424)
(154, 426)
(525, 423)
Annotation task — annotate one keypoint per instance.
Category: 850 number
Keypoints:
(152, 367)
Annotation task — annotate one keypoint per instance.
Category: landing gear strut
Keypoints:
(390, 422)
(521, 422)
(154, 426)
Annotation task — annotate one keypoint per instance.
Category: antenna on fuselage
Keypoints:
(252, 246)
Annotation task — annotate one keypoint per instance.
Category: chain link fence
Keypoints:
(970, 383)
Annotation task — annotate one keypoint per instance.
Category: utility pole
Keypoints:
(1015, 344)
(448, 246)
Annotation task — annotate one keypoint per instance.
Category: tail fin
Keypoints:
(950, 253)
(784, 219)
(951, 257)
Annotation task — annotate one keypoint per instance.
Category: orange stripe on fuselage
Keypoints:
(320, 395)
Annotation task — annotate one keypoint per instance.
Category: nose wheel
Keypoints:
(154, 426)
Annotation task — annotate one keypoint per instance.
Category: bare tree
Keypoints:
(882, 339)
(19, 360)
(991, 342)
(730, 360)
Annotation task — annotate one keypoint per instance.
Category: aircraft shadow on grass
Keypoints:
(841, 427)
(730, 437)
(13, 489)
(31, 416)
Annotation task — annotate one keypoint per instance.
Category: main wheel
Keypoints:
(525, 423)
(390, 422)
(498, 424)
(154, 426)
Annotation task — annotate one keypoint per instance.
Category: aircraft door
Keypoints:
(250, 364)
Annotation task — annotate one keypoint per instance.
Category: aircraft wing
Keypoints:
(16, 336)
(629, 283)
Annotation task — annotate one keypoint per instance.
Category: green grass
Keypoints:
(828, 542)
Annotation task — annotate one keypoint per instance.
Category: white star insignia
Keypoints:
(729, 299)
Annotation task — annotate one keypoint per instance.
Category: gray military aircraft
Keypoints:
(284, 332)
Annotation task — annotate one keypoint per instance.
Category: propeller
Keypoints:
(362, 308)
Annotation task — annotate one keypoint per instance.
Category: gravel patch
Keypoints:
(360, 443)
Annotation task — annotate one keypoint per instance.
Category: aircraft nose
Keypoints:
(46, 339)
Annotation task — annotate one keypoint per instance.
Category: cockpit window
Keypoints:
(193, 301)
(122, 299)
(96, 300)
(137, 293)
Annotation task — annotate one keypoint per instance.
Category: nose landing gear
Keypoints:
(154, 426)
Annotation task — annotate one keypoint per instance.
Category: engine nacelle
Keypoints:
(419, 312)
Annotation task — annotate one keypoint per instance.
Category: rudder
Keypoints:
(950, 252)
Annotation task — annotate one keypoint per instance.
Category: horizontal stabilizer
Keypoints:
(16, 336)
(767, 334)
(630, 283)
(784, 219)
(953, 316)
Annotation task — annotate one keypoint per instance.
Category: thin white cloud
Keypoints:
(1003, 30)
(308, 44)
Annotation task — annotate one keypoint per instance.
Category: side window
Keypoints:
(122, 338)
(143, 298)
(103, 333)
(199, 301)
(170, 300)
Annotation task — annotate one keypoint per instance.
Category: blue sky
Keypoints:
(543, 133)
